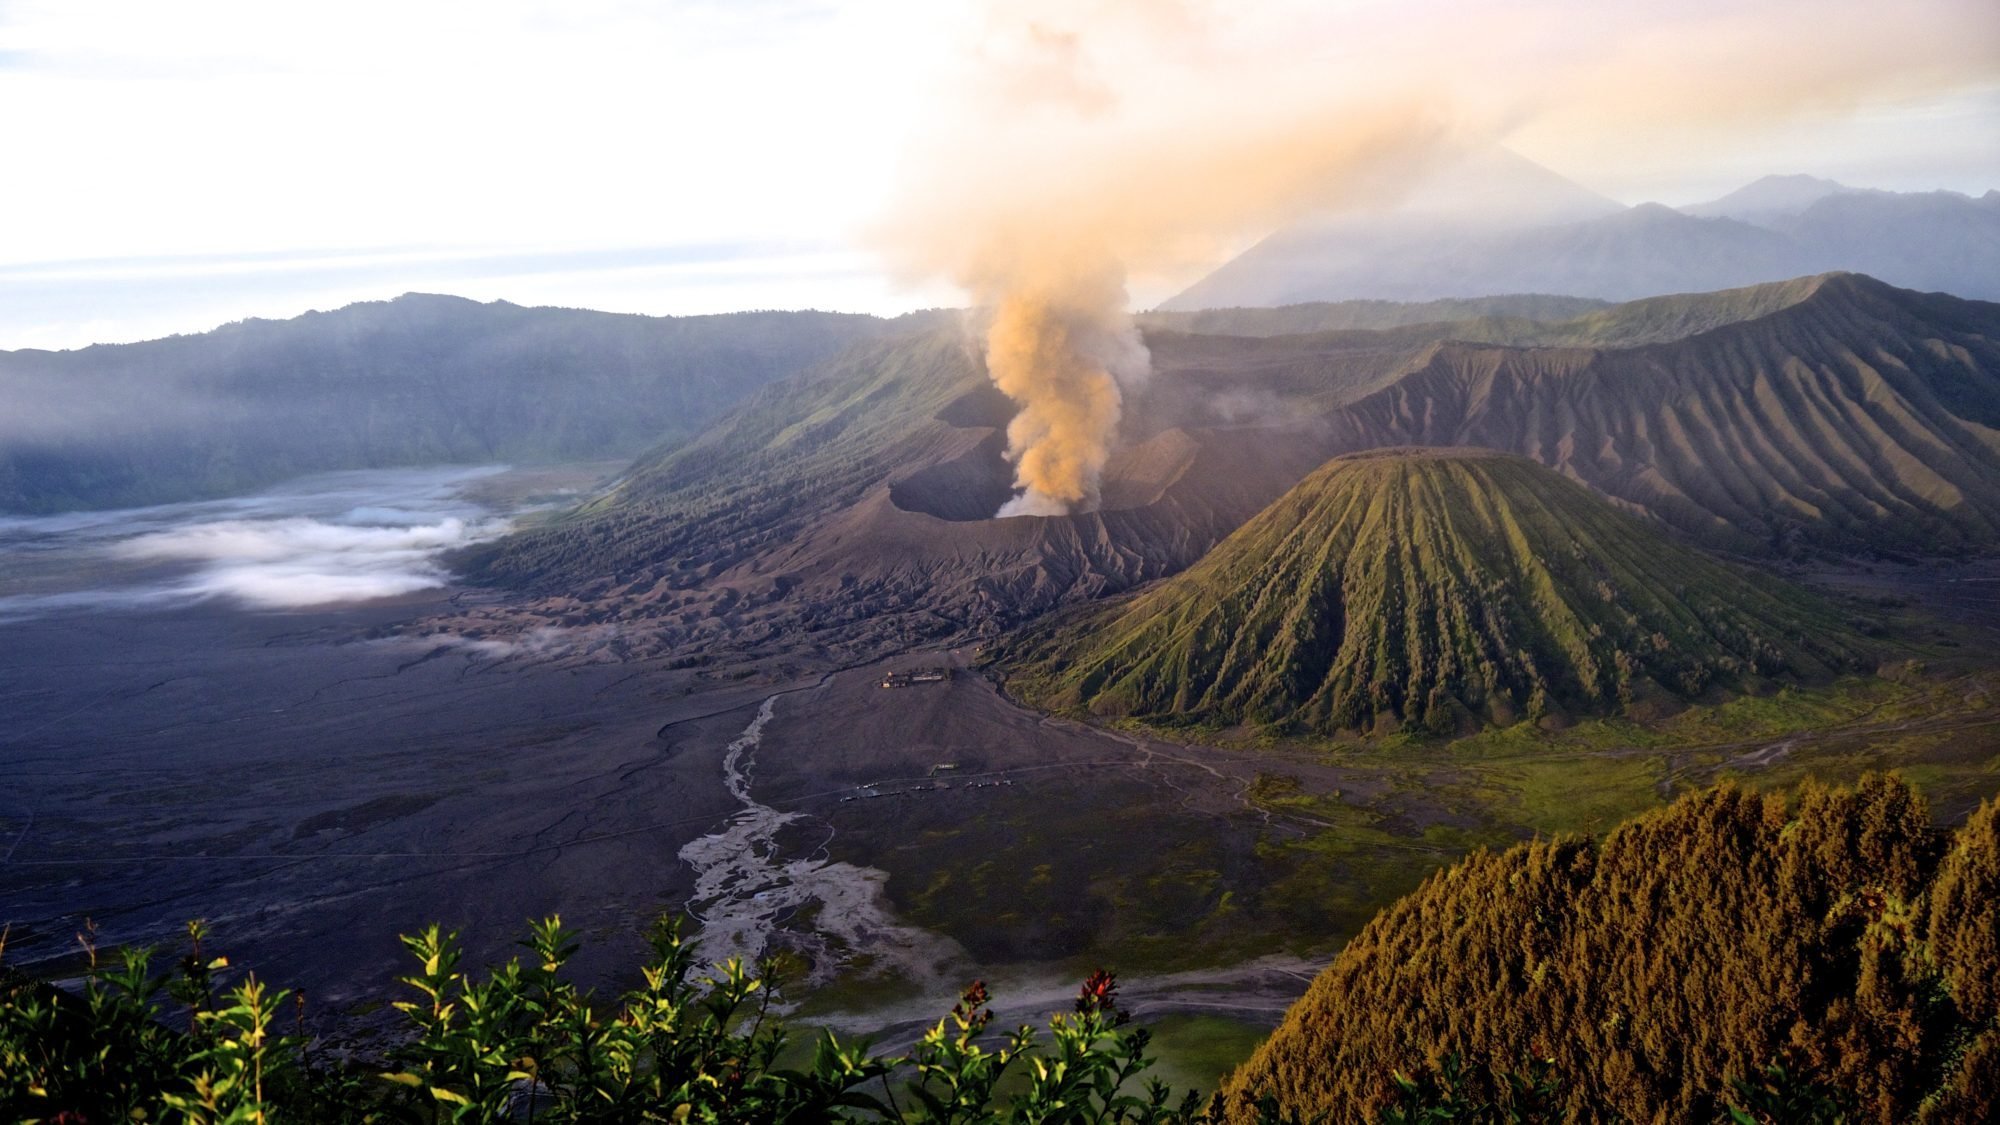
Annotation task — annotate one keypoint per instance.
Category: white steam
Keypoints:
(540, 641)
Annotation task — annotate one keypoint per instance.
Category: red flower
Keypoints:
(1099, 994)
(968, 1010)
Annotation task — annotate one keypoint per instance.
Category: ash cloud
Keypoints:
(1078, 147)
(1047, 183)
(1065, 350)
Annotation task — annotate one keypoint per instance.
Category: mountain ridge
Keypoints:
(1943, 241)
(423, 379)
(1764, 435)
(1769, 196)
(1824, 415)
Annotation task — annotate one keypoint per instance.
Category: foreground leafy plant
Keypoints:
(522, 1043)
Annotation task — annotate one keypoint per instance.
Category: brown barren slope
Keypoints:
(1861, 417)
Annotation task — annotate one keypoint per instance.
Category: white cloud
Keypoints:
(225, 125)
(473, 129)
(338, 537)
(540, 641)
(298, 562)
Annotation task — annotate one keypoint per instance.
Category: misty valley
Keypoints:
(1576, 707)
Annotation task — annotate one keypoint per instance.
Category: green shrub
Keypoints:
(523, 1043)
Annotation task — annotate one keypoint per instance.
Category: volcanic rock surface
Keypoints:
(1841, 414)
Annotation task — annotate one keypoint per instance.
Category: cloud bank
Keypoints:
(296, 563)
(326, 540)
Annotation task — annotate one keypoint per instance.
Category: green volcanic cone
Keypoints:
(1433, 590)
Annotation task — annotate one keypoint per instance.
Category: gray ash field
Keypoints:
(313, 793)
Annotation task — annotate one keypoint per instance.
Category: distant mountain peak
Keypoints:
(1650, 215)
(1776, 228)
(1790, 184)
(1770, 197)
(1490, 184)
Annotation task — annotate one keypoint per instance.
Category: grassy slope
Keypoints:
(1429, 588)
(790, 453)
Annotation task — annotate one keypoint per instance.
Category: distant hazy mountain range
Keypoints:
(413, 381)
(1529, 231)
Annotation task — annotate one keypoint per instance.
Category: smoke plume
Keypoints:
(1066, 351)
(1043, 184)
(1077, 146)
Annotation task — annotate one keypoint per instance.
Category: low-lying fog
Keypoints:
(335, 537)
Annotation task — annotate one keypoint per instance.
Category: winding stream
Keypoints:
(746, 890)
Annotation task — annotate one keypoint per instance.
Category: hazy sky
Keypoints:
(175, 165)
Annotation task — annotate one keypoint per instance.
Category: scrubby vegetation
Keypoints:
(522, 1043)
(1828, 957)
(1435, 591)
